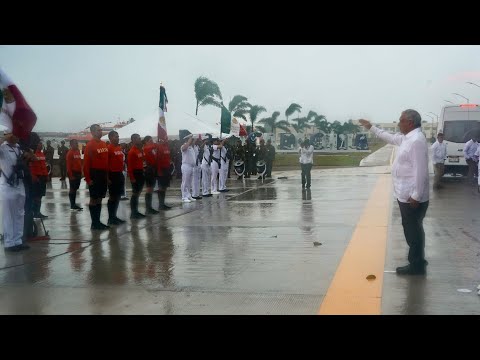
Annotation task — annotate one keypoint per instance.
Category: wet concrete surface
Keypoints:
(452, 228)
(248, 251)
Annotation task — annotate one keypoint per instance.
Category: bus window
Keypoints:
(460, 131)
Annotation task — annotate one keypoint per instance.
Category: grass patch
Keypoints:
(340, 159)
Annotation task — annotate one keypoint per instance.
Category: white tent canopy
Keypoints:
(174, 121)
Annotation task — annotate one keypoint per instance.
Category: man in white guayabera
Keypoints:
(410, 184)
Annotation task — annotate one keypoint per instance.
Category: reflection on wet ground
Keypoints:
(248, 251)
(239, 252)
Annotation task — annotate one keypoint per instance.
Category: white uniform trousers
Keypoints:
(187, 174)
(223, 175)
(206, 173)
(197, 171)
(215, 170)
(13, 206)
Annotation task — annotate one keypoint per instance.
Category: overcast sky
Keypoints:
(70, 87)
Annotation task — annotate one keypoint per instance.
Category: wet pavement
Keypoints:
(262, 248)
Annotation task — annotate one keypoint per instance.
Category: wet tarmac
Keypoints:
(262, 248)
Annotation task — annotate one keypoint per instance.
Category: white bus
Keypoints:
(459, 124)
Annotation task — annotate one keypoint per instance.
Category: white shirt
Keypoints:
(439, 152)
(410, 168)
(306, 155)
(470, 149)
(188, 156)
(196, 149)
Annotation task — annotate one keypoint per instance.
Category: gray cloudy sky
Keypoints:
(70, 87)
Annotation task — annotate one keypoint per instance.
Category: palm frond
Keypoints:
(292, 109)
(312, 114)
(238, 102)
(211, 101)
(256, 110)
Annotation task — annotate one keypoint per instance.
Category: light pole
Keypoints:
(436, 116)
(461, 96)
(432, 123)
(449, 101)
(468, 82)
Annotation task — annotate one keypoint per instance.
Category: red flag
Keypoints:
(243, 131)
(17, 115)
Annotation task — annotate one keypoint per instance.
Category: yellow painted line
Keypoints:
(350, 292)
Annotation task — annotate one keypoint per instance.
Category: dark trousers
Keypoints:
(306, 169)
(412, 222)
(472, 169)
(63, 169)
(269, 168)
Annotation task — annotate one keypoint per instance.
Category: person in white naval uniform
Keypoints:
(188, 163)
(225, 152)
(206, 169)
(12, 193)
(197, 169)
(215, 165)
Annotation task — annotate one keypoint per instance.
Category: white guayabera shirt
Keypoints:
(410, 168)
(306, 155)
(439, 152)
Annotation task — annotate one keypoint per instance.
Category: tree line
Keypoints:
(207, 92)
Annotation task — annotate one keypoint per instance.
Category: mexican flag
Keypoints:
(162, 109)
(225, 121)
(16, 114)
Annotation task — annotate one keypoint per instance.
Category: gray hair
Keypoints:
(414, 116)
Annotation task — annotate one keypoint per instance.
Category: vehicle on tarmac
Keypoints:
(459, 123)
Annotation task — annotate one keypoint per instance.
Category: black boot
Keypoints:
(71, 196)
(111, 213)
(161, 201)
(91, 209)
(36, 210)
(134, 208)
(96, 224)
(148, 202)
(119, 221)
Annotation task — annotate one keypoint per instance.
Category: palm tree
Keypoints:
(312, 114)
(320, 122)
(293, 108)
(239, 107)
(272, 123)
(350, 128)
(336, 127)
(254, 111)
(301, 125)
(207, 92)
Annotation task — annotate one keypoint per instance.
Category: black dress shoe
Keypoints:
(137, 215)
(152, 211)
(411, 270)
(12, 248)
(99, 226)
(22, 247)
(197, 197)
(208, 195)
(164, 207)
(115, 221)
